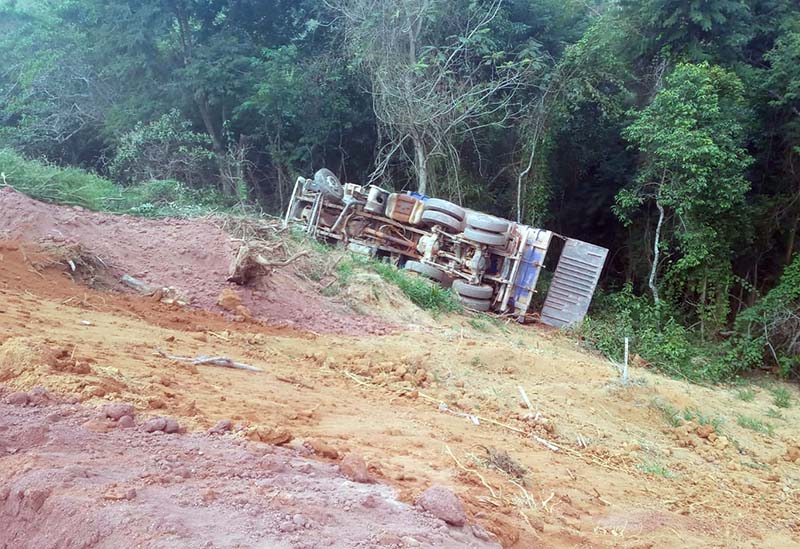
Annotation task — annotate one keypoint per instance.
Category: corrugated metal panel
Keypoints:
(573, 284)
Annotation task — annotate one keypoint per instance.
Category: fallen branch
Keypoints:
(222, 361)
(266, 263)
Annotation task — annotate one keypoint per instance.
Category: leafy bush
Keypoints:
(769, 331)
(164, 149)
(165, 197)
(656, 335)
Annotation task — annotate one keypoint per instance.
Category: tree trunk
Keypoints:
(654, 268)
(791, 240)
(421, 165)
(228, 189)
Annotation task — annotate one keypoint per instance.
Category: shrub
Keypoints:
(166, 148)
(769, 331)
(655, 334)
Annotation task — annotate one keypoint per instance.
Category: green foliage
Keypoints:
(746, 395)
(691, 138)
(755, 424)
(654, 468)
(655, 334)
(166, 148)
(774, 413)
(50, 183)
(420, 291)
(73, 186)
(781, 397)
(768, 331)
(670, 414)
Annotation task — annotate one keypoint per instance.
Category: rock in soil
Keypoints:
(117, 411)
(442, 503)
(222, 426)
(354, 467)
(321, 448)
(18, 399)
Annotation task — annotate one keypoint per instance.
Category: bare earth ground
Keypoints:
(623, 476)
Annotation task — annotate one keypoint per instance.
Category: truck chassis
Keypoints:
(491, 264)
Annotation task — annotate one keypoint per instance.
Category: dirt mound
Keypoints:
(127, 487)
(192, 256)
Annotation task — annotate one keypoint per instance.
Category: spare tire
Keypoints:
(475, 291)
(439, 205)
(484, 237)
(446, 221)
(487, 223)
(425, 270)
(482, 305)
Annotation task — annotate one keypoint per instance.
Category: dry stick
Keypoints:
(261, 260)
(480, 418)
(462, 467)
(222, 361)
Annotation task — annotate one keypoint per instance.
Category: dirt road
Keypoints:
(655, 463)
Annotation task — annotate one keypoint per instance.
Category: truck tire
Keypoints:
(475, 291)
(487, 223)
(446, 221)
(327, 183)
(484, 237)
(482, 305)
(439, 205)
(425, 270)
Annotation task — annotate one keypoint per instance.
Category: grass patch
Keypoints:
(76, 187)
(756, 425)
(420, 291)
(781, 397)
(653, 468)
(478, 324)
(774, 413)
(693, 414)
(746, 395)
(476, 361)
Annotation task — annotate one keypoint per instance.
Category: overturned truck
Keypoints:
(491, 264)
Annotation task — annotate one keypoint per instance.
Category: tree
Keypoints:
(434, 73)
(691, 139)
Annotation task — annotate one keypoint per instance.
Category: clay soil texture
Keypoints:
(364, 403)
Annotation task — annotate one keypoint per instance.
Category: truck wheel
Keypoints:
(475, 291)
(327, 183)
(439, 205)
(446, 221)
(485, 237)
(475, 304)
(425, 270)
(487, 223)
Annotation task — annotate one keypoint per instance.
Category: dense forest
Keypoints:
(665, 130)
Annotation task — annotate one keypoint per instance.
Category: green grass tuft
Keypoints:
(781, 397)
(653, 468)
(774, 413)
(755, 425)
(746, 395)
